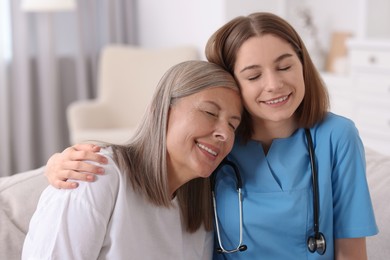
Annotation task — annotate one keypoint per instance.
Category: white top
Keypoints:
(106, 219)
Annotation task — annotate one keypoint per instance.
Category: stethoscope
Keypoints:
(315, 243)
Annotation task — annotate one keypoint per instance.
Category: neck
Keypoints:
(173, 185)
(175, 180)
(267, 131)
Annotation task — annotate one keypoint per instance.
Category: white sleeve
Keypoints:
(71, 224)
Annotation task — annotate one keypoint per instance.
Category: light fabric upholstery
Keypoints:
(19, 196)
(128, 76)
(378, 177)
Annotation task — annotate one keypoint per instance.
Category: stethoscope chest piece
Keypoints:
(317, 244)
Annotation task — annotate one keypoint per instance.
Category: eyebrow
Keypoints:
(278, 59)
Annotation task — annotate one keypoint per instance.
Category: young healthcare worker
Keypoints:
(154, 200)
(302, 168)
(305, 194)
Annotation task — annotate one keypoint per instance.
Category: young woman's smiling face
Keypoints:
(201, 131)
(271, 79)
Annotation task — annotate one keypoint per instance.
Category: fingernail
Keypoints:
(90, 177)
(104, 160)
(75, 185)
(101, 170)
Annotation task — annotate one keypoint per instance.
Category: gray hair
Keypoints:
(144, 158)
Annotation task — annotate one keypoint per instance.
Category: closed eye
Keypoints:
(233, 126)
(254, 77)
(284, 68)
(210, 113)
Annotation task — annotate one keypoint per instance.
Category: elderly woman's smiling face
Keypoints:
(201, 130)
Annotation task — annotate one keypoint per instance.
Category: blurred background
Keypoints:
(49, 53)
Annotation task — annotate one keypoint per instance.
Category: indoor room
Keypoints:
(74, 71)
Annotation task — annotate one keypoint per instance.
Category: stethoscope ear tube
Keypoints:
(240, 247)
(316, 243)
(224, 162)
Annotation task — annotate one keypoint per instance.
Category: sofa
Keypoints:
(19, 196)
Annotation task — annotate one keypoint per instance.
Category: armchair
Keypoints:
(127, 78)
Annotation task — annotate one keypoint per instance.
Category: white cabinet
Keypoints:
(364, 95)
(373, 109)
(370, 72)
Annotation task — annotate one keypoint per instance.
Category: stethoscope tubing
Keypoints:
(240, 246)
(316, 243)
(314, 183)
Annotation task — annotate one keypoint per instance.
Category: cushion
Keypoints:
(19, 195)
(378, 177)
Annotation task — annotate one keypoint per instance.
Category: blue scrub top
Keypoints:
(278, 198)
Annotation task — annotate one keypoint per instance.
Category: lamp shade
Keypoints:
(48, 5)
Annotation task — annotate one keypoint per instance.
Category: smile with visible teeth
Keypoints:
(275, 101)
(207, 149)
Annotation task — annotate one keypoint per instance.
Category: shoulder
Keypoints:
(109, 181)
(340, 136)
(99, 196)
(336, 123)
(105, 186)
(337, 129)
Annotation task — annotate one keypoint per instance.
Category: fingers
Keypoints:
(78, 170)
(87, 147)
(83, 152)
(88, 156)
(65, 184)
(64, 179)
(62, 168)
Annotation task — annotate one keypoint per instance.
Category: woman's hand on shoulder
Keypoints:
(71, 165)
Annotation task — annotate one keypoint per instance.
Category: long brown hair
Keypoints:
(223, 45)
(144, 157)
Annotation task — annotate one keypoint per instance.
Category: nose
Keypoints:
(223, 131)
(272, 81)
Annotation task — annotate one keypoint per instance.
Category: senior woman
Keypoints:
(153, 202)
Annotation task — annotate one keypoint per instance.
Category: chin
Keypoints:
(205, 173)
(205, 168)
